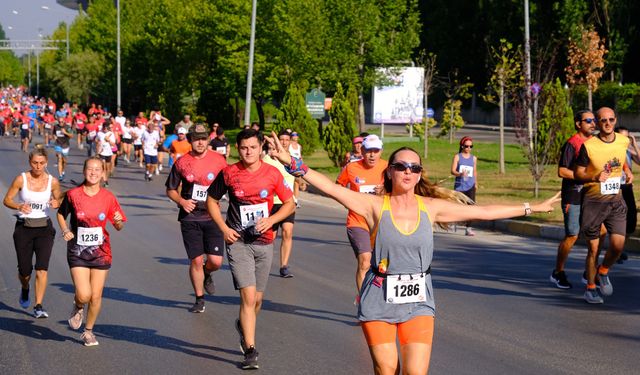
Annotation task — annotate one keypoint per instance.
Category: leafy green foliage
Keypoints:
(77, 76)
(556, 122)
(293, 115)
(338, 134)
(418, 128)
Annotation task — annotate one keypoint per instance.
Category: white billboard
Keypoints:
(402, 101)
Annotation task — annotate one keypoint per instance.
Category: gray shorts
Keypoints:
(360, 240)
(250, 264)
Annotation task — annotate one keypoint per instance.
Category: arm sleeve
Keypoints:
(217, 188)
(65, 207)
(567, 157)
(174, 179)
(583, 157)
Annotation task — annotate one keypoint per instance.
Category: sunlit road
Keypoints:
(497, 312)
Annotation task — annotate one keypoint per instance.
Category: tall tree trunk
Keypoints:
(361, 123)
(502, 169)
(237, 118)
(452, 127)
(590, 97)
(260, 110)
(425, 120)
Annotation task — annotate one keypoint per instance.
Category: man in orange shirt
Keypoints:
(180, 146)
(364, 176)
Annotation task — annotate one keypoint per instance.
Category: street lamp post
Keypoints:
(247, 102)
(527, 61)
(119, 87)
(44, 7)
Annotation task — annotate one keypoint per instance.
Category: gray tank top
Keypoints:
(406, 253)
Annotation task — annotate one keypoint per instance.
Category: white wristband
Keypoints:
(527, 209)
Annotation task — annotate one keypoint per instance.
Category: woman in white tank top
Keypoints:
(295, 149)
(37, 193)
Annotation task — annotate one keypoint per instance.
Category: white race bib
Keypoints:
(468, 169)
(611, 186)
(199, 193)
(59, 133)
(92, 134)
(37, 207)
(406, 288)
(89, 236)
(25, 126)
(367, 189)
(221, 150)
(47, 126)
(250, 214)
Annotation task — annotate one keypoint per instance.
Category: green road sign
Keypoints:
(315, 103)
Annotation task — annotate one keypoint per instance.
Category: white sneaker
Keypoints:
(160, 167)
(157, 171)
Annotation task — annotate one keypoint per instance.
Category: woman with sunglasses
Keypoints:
(464, 168)
(396, 298)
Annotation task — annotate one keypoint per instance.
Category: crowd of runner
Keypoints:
(392, 209)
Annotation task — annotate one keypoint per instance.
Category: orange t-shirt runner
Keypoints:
(357, 177)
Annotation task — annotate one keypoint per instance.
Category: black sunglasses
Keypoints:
(401, 166)
(610, 119)
(589, 120)
(467, 146)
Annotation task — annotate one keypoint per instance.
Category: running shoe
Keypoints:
(39, 312)
(250, 359)
(209, 285)
(75, 320)
(622, 258)
(560, 279)
(89, 338)
(604, 284)
(584, 278)
(243, 345)
(284, 272)
(24, 298)
(197, 307)
(159, 169)
(592, 296)
(469, 232)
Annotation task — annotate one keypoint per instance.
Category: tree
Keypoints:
(338, 134)
(586, 61)
(455, 90)
(553, 128)
(293, 115)
(428, 62)
(77, 77)
(507, 76)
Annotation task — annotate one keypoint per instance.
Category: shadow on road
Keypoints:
(149, 337)
(27, 327)
(122, 294)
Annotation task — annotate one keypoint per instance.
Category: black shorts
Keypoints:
(137, 147)
(632, 211)
(24, 134)
(106, 158)
(127, 140)
(29, 241)
(202, 237)
(471, 193)
(613, 214)
(289, 219)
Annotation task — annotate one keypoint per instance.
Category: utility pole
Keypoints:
(247, 101)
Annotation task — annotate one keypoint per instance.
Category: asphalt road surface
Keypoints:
(497, 311)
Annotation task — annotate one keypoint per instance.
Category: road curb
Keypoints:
(517, 227)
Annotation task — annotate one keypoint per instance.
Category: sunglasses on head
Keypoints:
(589, 120)
(610, 119)
(401, 166)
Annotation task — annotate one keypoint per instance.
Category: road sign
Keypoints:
(315, 103)
(430, 112)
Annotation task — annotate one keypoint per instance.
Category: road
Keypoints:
(497, 312)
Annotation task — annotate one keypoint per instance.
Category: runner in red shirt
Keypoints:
(88, 245)
(251, 184)
(187, 185)
(80, 120)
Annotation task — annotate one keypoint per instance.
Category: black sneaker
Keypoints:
(243, 346)
(39, 312)
(560, 279)
(197, 307)
(250, 359)
(284, 272)
(622, 258)
(209, 285)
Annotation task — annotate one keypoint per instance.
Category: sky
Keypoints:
(31, 19)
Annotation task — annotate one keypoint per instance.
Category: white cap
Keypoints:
(371, 142)
(182, 130)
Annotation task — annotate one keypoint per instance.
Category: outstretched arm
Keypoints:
(447, 212)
